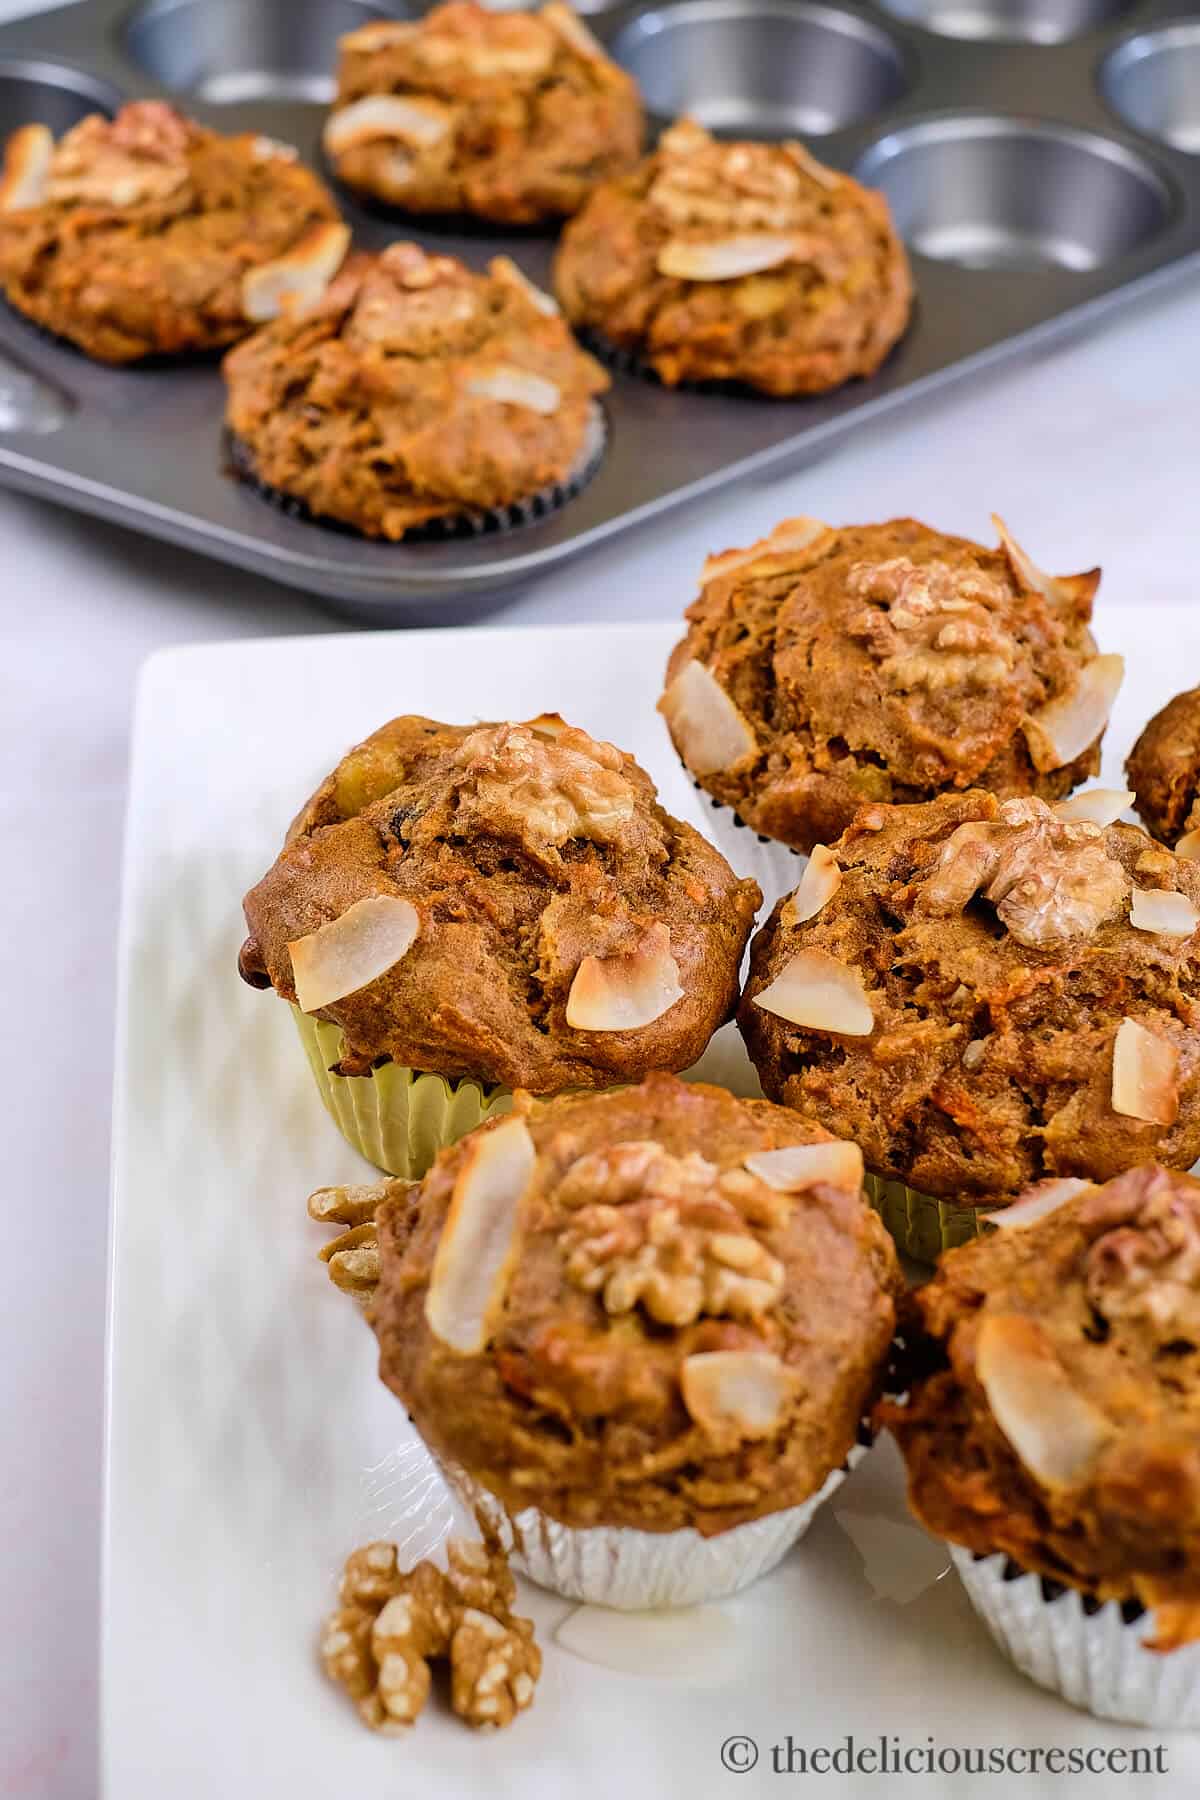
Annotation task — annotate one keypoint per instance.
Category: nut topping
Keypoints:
(392, 1624)
(936, 629)
(1147, 1268)
(1049, 881)
(548, 789)
(732, 188)
(138, 156)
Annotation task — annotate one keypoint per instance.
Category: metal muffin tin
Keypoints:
(1041, 157)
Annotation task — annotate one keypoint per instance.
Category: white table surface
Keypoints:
(1091, 453)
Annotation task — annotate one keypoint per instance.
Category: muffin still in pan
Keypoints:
(639, 1330)
(511, 116)
(737, 262)
(1052, 1434)
(1164, 772)
(982, 993)
(830, 666)
(149, 235)
(415, 395)
(459, 911)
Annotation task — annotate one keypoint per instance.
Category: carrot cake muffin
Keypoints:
(828, 666)
(982, 992)
(149, 235)
(416, 395)
(639, 1330)
(512, 116)
(461, 910)
(1052, 1434)
(1164, 773)
(740, 262)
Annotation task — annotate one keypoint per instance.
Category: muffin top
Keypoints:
(1164, 772)
(147, 234)
(825, 667)
(984, 992)
(657, 1307)
(738, 262)
(503, 901)
(414, 390)
(1058, 1415)
(513, 116)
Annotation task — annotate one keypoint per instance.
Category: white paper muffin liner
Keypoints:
(640, 1571)
(775, 868)
(1096, 1660)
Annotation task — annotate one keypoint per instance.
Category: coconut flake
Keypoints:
(820, 993)
(1094, 806)
(820, 881)
(505, 269)
(1163, 912)
(709, 731)
(379, 34)
(1145, 1075)
(1057, 1433)
(1065, 728)
(375, 116)
(1038, 1202)
(795, 1167)
(789, 536)
(1059, 590)
(516, 387)
(27, 158)
(1188, 846)
(470, 1269)
(725, 259)
(351, 951)
(625, 993)
(573, 32)
(298, 278)
(819, 172)
(745, 1389)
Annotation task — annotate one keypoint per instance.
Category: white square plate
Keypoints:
(250, 1446)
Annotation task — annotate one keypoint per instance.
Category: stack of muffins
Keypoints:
(400, 394)
(644, 1326)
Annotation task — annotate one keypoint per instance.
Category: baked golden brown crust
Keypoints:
(738, 262)
(527, 851)
(133, 237)
(990, 950)
(642, 1243)
(1058, 1419)
(1164, 769)
(415, 390)
(879, 662)
(512, 116)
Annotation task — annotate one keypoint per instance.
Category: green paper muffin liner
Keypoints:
(397, 1118)
(922, 1225)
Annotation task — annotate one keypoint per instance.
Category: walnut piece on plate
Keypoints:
(353, 1256)
(393, 1623)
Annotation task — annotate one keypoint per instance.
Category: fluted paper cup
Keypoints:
(922, 1225)
(1092, 1655)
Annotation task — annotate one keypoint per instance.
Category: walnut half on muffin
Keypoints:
(149, 235)
(982, 993)
(655, 1317)
(744, 262)
(829, 666)
(512, 116)
(500, 904)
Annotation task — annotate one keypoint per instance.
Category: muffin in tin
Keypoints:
(149, 235)
(828, 666)
(416, 395)
(1164, 772)
(737, 262)
(639, 1331)
(981, 993)
(510, 116)
(462, 910)
(1052, 1434)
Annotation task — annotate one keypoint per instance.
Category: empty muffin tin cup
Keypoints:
(996, 193)
(225, 51)
(763, 67)
(33, 92)
(1009, 21)
(1152, 82)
